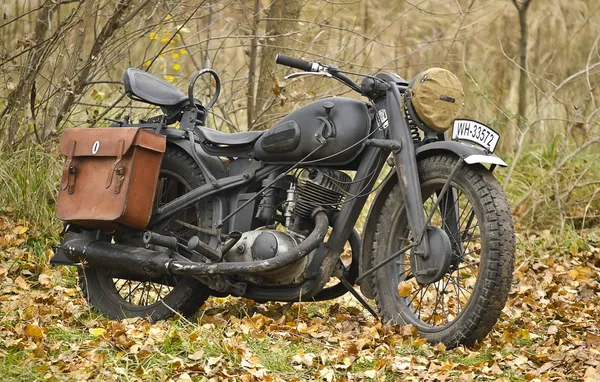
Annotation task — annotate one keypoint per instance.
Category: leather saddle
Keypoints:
(144, 87)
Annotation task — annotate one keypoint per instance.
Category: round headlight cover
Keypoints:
(437, 97)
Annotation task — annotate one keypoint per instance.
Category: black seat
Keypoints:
(144, 87)
(230, 139)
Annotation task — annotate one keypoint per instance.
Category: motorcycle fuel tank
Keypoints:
(342, 123)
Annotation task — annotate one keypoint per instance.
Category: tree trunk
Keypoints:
(280, 21)
(252, 65)
(13, 111)
(523, 43)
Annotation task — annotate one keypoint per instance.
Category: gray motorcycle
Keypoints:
(266, 215)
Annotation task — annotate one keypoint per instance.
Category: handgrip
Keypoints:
(296, 63)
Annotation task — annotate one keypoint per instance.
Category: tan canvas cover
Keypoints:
(437, 97)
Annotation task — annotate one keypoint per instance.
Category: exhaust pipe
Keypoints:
(77, 248)
(311, 242)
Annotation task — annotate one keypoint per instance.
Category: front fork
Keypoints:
(410, 186)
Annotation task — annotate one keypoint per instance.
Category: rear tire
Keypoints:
(486, 266)
(113, 298)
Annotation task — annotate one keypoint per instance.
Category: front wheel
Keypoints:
(463, 305)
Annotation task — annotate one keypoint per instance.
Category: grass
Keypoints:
(545, 198)
(29, 181)
(11, 367)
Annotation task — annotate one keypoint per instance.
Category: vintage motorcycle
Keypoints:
(190, 212)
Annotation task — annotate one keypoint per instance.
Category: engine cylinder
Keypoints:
(320, 187)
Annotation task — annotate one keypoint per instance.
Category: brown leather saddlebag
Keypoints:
(109, 176)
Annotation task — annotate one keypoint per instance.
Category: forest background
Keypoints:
(530, 69)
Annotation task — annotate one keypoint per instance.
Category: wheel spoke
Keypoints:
(441, 302)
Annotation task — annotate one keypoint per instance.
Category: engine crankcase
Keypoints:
(266, 244)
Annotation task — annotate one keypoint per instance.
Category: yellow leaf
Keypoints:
(175, 56)
(404, 289)
(33, 331)
(147, 63)
(97, 332)
(183, 51)
(164, 40)
(19, 230)
(153, 36)
(170, 78)
(176, 67)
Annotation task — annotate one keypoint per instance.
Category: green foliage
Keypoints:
(549, 189)
(28, 185)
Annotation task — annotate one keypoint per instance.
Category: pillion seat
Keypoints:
(144, 87)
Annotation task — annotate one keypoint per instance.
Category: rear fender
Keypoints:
(471, 155)
(211, 163)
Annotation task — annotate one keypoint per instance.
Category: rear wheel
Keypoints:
(462, 306)
(117, 296)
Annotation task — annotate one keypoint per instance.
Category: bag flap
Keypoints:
(105, 142)
(151, 141)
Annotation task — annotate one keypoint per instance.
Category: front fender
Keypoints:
(470, 154)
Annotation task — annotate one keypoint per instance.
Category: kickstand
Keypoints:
(360, 299)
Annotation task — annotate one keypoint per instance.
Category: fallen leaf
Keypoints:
(196, 355)
(185, 377)
(44, 280)
(97, 332)
(33, 330)
(21, 283)
(404, 288)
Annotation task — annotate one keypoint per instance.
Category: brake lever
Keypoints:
(300, 74)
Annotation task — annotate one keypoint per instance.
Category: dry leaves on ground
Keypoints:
(549, 332)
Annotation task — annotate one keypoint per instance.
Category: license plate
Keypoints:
(476, 132)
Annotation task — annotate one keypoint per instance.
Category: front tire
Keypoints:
(118, 298)
(464, 305)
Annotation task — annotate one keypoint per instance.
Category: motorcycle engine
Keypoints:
(313, 188)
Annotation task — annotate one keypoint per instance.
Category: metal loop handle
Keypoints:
(215, 97)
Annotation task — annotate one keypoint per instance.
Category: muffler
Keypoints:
(77, 248)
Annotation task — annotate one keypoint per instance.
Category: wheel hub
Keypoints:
(436, 265)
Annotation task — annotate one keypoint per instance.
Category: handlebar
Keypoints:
(308, 66)
(297, 63)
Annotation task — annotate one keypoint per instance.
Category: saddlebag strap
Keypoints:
(116, 170)
(69, 171)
